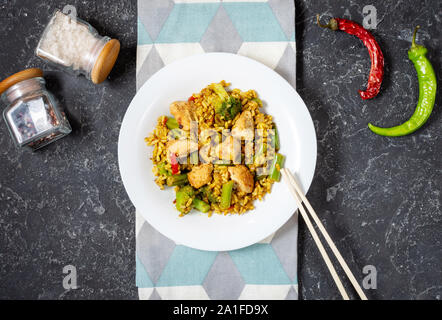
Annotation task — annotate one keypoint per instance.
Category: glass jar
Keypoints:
(75, 46)
(32, 114)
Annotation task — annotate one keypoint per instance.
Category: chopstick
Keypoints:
(331, 268)
(301, 199)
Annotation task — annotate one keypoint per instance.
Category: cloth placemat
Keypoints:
(262, 30)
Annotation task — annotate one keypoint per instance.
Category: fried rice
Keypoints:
(208, 118)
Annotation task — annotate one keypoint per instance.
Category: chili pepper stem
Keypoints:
(332, 24)
(413, 42)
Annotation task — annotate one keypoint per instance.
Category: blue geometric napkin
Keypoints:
(262, 30)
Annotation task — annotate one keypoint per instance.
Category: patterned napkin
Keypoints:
(262, 30)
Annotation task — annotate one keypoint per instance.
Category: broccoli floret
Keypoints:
(220, 106)
(220, 91)
(228, 107)
(235, 107)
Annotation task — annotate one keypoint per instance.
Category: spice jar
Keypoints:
(32, 114)
(77, 47)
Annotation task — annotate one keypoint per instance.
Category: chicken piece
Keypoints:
(205, 153)
(183, 112)
(244, 126)
(243, 177)
(208, 138)
(200, 175)
(181, 148)
(229, 149)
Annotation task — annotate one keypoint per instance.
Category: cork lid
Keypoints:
(19, 77)
(105, 61)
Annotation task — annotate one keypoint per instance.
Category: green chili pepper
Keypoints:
(427, 94)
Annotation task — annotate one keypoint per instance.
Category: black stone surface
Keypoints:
(378, 197)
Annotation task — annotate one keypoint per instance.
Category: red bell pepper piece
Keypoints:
(174, 164)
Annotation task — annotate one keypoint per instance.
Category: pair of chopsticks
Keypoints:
(301, 200)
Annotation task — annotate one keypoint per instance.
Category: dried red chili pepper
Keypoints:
(377, 58)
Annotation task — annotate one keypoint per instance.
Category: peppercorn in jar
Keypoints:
(32, 114)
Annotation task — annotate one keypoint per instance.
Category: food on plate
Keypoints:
(427, 93)
(376, 56)
(219, 151)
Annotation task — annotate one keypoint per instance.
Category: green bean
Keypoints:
(182, 197)
(201, 205)
(276, 137)
(276, 166)
(177, 180)
(226, 195)
(171, 123)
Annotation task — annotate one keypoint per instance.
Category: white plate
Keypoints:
(177, 81)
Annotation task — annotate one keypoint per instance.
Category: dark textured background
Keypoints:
(378, 197)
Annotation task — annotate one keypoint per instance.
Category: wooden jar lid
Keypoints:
(105, 61)
(19, 77)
